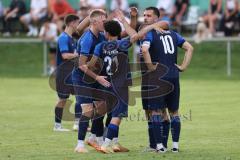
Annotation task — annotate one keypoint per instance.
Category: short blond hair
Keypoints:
(96, 13)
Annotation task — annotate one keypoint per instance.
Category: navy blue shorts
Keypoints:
(121, 108)
(170, 101)
(82, 90)
(64, 87)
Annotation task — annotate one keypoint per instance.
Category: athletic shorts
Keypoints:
(64, 87)
(170, 101)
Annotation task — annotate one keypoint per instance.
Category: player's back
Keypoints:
(164, 49)
(115, 61)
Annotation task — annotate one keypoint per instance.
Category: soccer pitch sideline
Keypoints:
(209, 109)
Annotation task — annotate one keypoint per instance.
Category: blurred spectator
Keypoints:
(230, 16)
(180, 11)
(38, 11)
(59, 9)
(16, 9)
(164, 16)
(97, 4)
(202, 32)
(1, 12)
(83, 12)
(239, 17)
(83, 3)
(120, 4)
(167, 5)
(48, 33)
(1, 9)
(214, 14)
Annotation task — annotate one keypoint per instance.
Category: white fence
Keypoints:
(45, 50)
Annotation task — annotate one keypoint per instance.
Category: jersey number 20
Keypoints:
(167, 44)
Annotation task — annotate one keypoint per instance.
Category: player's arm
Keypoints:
(129, 30)
(83, 25)
(86, 66)
(159, 26)
(133, 20)
(68, 56)
(64, 49)
(187, 57)
(147, 58)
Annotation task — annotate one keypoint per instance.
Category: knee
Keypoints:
(22, 19)
(175, 116)
(87, 110)
(101, 108)
(62, 103)
(173, 113)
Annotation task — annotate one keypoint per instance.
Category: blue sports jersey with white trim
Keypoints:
(65, 44)
(86, 45)
(164, 49)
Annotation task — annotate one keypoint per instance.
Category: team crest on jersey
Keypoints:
(124, 45)
(110, 46)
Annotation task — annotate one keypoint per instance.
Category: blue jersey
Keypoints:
(86, 45)
(65, 44)
(164, 49)
(109, 52)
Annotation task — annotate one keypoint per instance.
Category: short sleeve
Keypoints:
(85, 44)
(148, 39)
(97, 50)
(63, 45)
(180, 40)
(125, 44)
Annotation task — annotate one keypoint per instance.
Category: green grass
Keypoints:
(209, 108)
(26, 119)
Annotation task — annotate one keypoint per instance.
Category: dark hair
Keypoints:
(84, 8)
(113, 28)
(155, 10)
(70, 18)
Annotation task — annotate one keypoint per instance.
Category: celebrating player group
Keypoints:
(101, 77)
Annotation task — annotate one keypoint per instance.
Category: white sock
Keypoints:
(30, 27)
(92, 137)
(76, 120)
(115, 140)
(99, 140)
(58, 125)
(80, 144)
(175, 145)
(106, 142)
(159, 146)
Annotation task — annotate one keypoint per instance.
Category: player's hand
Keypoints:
(119, 15)
(134, 38)
(159, 29)
(102, 80)
(133, 12)
(153, 67)
(180, 68)
(75, 55)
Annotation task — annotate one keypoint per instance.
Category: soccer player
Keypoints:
(86, 45)
(162, 48)
(151, 16)
(66, 50)
(110, 56)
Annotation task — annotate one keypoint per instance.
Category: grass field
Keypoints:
(209, 108)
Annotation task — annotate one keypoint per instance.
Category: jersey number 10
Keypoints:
(167, 44)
